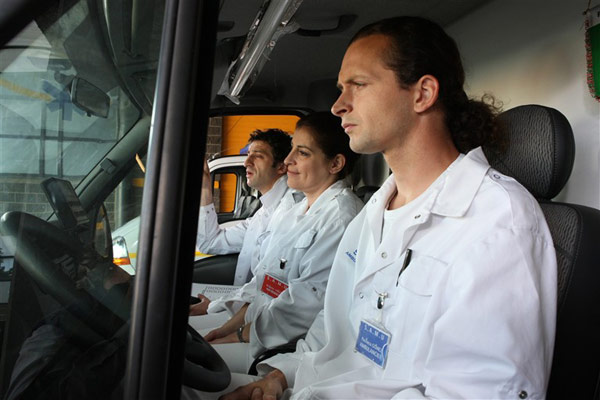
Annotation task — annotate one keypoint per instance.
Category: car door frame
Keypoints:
(171, 195)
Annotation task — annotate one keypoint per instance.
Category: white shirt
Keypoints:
(307, 240)
(473, 315)
(245, 237)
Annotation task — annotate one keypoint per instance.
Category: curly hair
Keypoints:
(279, 141)
(421, 47)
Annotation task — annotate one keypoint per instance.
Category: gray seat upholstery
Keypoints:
(247, 206)
(370, 172)
(540, 156)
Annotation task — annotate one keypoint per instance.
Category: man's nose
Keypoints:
(340, 107)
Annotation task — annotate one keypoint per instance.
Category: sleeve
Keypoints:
(272, 323)
(213, 239)
(234, 300)
(494, 332)
(288, 362)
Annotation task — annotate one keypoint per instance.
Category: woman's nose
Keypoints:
(289, 159)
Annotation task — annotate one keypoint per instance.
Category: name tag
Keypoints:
(273, 286)
(373, 343)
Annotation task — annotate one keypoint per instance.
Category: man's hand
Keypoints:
(115, 276)
(206, 195)
(270, 387)
(200, 308)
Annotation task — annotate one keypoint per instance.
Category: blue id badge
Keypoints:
(373, 342)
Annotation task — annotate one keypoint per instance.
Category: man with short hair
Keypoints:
(265, 172)
(444, 286)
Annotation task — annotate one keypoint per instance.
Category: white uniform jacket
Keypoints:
(473, 314)
(245, 237)
(307, 241)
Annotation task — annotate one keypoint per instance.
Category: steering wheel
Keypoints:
(40, 242)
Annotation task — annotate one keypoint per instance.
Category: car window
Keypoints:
(225, 186)
(66, 117)
(42, 132)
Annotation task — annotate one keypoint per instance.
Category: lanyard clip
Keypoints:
(381, 299)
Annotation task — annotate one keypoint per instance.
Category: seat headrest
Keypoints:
(541, 149)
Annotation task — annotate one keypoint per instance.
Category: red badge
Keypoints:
(273, 286)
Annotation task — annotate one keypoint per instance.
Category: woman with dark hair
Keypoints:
(287, 292)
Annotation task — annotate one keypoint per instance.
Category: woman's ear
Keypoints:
(337, 164)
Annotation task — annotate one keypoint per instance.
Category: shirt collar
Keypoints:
(461, 184)
(329, 194)
(456, 193)
(274, 195)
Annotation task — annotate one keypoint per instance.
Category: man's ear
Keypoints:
(426, 91)
(337, 164)
(281, 168)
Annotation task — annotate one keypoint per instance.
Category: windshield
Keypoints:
(42, 132)
(73, 120)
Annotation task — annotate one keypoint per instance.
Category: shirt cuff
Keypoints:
(207, 209)
(287, 363)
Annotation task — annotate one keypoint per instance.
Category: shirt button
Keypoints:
(384, 255)
(496, 176)
(361, 295)
(522, 394)
(374, 201)
(417, 216)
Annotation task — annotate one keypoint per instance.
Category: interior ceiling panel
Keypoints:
(297, 60)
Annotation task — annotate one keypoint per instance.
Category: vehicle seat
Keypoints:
(369, 173)
(540, 156)
(247, 206)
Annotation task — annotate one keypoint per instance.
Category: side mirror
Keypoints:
(89, 98)
(102, 234)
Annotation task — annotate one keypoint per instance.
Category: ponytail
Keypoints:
(473, 123)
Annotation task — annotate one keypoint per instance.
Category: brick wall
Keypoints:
(213, 146)
(213, 141)
(23, 193)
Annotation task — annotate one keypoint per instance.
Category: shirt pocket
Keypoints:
(422, 275)
(412, 311)
(306, 239)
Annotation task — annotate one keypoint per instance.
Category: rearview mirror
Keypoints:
(89, 98)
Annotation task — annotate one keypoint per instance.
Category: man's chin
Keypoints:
(357, 147)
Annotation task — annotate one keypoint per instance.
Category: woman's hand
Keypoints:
(229, 338)
(200, 308)
(270, 387)
(228, 332)
(218, 339)
(216, 334)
